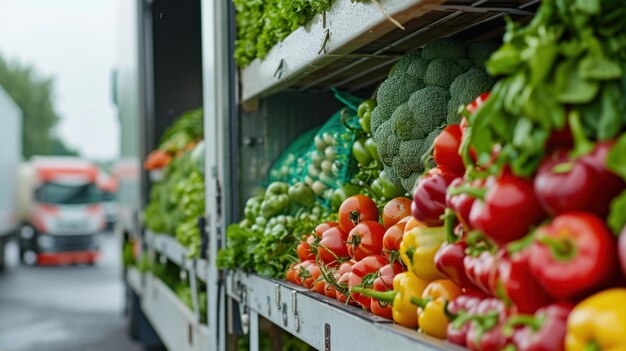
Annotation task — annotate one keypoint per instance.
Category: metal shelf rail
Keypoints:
(323, 323)
(352, 46)
(176, 325)
(168, 246)
(135, 280)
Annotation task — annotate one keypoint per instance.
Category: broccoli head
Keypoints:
(480, 52)
(442, 72)
(444, 48)
(402, 66)
(466, 88)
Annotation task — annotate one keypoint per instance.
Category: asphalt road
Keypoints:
(64, 308)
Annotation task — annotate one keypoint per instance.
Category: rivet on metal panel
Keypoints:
(277, 295)
(280, 70)
(326, 337)
(324, 41)
(285, 319)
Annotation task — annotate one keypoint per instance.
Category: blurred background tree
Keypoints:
(33, 94)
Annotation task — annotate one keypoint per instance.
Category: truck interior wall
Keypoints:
(268, 131)
(177, 62)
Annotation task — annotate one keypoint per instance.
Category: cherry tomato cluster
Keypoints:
(356, 251)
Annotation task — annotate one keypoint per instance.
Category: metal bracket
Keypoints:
(280, 70)
(294, 310)
(326, 337)
(324, 42)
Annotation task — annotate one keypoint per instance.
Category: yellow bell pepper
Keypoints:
(431, 314)
(418, 248)
(405, 286)
(598, 323)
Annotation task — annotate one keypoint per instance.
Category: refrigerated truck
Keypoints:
(10, 158)
(61, 211)
(107, 185)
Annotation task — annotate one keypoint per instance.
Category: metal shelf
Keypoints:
(134, 279)
(176, 325)
(168, 245)
(323, 323)
(353, 45)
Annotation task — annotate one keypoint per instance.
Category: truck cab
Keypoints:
(62, 211)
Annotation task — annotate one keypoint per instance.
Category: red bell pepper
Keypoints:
(429, 197)
(446, 150)
(543, 331)
(461, 196)
(459, 312)
(564, 184)
(578, 180)
(621, 250)
(363, 275)
(480, 263)
(486, 326)
(572, 255)
(449, 259)
(508, 209)
(384, 282)
(516, 285)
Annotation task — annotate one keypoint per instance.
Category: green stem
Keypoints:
(562, 249)
(522, 320)
(373, 165)
(420, 302)
(478, 193)
(382, 296)
(450, 221)
(582, 145)
(592, 346)
(521, 244)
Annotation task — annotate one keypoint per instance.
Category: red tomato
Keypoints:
(392, 240)
(304, 249)
(356, 209)
(329, 287)
(395, 210)
(332, 248)
(341, 295)
(296, 271)
(384, 282)
(446, 150)
(321, 228)
(365, 239)
(363, 274)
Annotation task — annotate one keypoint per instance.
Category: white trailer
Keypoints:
(10, 158)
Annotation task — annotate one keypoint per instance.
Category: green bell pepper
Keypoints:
(342, 193)
(390, 190)
(365, 114)
(302, 194)
(372, 148)
(360, 153)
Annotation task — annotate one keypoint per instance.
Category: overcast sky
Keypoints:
(73, 41)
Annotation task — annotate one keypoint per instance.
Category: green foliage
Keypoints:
(177, 202)
(263, 23)
(569, 58)
(420, 96)
(33, 95)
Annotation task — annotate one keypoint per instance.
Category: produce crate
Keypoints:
(353, 45)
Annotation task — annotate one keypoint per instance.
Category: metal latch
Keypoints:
(294, 310)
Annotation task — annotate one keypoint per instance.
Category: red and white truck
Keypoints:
(61, 210)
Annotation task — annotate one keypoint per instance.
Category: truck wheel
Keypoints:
(28, 257)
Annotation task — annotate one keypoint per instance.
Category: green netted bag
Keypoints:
(328, 162)
(290, 164)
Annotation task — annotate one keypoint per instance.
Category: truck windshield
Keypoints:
(53, 193)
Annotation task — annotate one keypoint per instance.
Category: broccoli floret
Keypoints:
(467, 87)
(403, 168)
(408, 183)
(406, 123)
(442, 72)
(430, 105)
(402, 66)
(396, 90)
(465, 64)
(393, 176)
(444, 48)
(388, 143)
(418, 68)
(380, 115)
(480, 52)
(453, 116)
